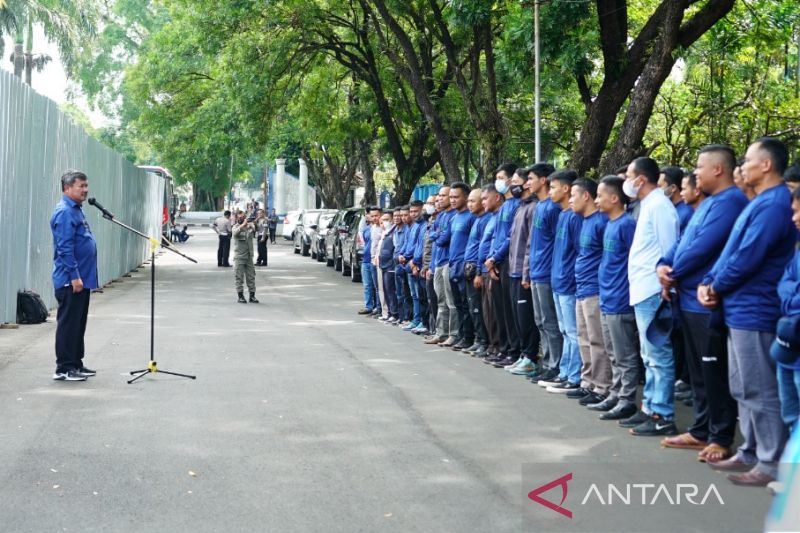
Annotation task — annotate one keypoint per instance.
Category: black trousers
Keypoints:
(475, 300)
(422, 294)
(272, 235)
(433, 303)
(522, 310)
(706, 354)
(491, 298)
(509, 341)
(261, 260)
(73, 309)
(466, 331)
(224, 250)
(390, 293)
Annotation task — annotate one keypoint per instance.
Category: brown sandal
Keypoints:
(714, 453)
(684, 441)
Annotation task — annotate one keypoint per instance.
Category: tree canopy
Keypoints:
(437, 88)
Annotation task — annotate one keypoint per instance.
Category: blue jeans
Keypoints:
(570, 365)
(414, 287)
(374, 271)
(789, 393)
(659, 364)
(369, 285)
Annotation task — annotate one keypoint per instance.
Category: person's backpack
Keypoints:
(31, 308)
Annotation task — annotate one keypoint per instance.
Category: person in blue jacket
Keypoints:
(400, 283)
(497, 265)
(596, 369)
(562, 280)
(789, 293)
(460, 227)
(472, 271)
(683, 268)
(617, 317)
(387, 265)
(744, 282)
(416, 233)
(489, 286)
(447, 325)
(671, 181)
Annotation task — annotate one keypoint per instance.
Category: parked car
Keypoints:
(289, 223)
(353, 247)
(319, 233)
(303, 229)
(336, 234)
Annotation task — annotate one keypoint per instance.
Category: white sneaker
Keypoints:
(524, 368)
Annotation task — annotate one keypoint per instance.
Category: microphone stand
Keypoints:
(152, 367)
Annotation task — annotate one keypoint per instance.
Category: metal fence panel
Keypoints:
(37, 144)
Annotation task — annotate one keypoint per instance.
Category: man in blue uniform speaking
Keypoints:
(74, 276)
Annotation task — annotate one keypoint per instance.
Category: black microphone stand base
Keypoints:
(152, 368)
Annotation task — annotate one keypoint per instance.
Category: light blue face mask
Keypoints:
(501, 186)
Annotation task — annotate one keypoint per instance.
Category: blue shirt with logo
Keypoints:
(441, 238)
(460, 227)
(502, 233)
(475, 235)
(565, 251)
(617, 240)
(486, 241)
(590, 252)
(74, 246)
(543, 236)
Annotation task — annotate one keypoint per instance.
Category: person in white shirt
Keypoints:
(657, 229)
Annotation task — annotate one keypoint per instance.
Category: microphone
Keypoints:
(106, 213)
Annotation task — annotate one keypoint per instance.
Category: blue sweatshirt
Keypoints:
(441, 238)
(789, 293)
(415, 233)
(460, 227)
(486, 240)
(747, 272)
(590, 252)
(502, 233)
(543, 237)
(475, 235)
(419, 249)
(685, 213)
(699, 246)
(617, 240)
(366, 233)
(565, 251)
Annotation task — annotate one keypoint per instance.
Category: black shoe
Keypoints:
(681, 396)
(492, 359)
(86, 372)
(578, 393)
(228, 265)
(508, 361)
(547, 375)
(654, 427)
(606, 405)
(241, 299)
(592, 399)
(69, 375)
(474, 348)
(252, 299)
(463, 345)
(620, 412)
(635, 420)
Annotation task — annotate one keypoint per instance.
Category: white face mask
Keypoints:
(629, 189)
(387, 225)
(501, 186)
(428, 209)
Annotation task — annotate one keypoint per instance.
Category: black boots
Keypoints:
(241, 298)
(253, 298)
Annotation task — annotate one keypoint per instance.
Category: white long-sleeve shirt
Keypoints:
(657, 230)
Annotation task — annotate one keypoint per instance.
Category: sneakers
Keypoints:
(435, 339)
(547, 375)
(578, 393)
(563, 388)
(655, 426)
(70, 375)
(551, 382)
(410, 326)
(253, 299)
(591, 399)
(508, 361)
(420, 330)
(86, 372)
(462, 345)
(520, 369)
(365, 311)
(521, 361)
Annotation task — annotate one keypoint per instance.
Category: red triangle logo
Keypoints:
(560, 482)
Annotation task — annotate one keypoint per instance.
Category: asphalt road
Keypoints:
(304, 417)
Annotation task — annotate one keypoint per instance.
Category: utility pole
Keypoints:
(537, 106)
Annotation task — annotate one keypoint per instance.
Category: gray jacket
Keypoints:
(521, 236)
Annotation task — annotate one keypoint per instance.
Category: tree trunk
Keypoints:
(368, 172)
(19, 60)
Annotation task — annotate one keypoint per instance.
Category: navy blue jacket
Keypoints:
(747, 272)
(699, 246)
(74, 247)
(386, 253)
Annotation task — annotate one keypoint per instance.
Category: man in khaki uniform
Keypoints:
(243, 235)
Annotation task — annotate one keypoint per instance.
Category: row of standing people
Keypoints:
(571, 283)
